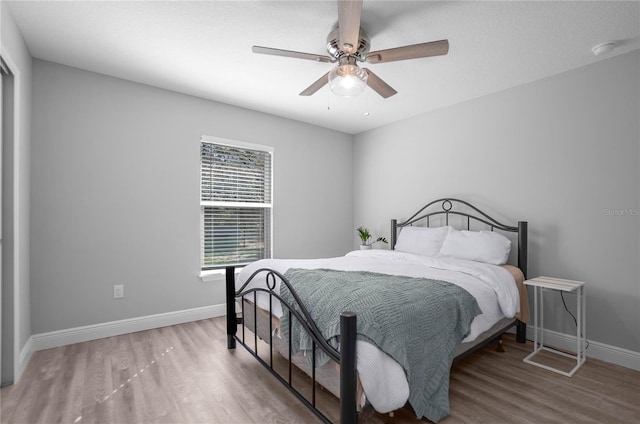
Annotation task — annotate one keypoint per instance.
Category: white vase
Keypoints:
(365, 247)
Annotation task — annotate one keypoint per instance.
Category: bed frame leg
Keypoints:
(521, 332)
(500, 347)
(232, 323)
(348, 376)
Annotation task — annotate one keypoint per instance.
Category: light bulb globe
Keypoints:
(347, 79)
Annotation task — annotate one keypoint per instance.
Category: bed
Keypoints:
(303, 310)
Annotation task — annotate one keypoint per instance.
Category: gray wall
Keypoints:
(115, 195)
(115, 188)
(561, 153)
(15, 51)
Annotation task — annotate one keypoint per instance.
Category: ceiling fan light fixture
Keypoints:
(347, 79)
(349, 44)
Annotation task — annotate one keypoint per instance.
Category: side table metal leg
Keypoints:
(541, 316)
(579, 324)
(535, 318)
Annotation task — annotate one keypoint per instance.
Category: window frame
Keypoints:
(269, 206)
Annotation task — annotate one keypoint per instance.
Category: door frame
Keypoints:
(12, 205)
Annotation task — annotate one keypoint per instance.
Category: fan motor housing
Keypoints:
(336, 52)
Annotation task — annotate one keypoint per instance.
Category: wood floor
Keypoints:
(185, 374)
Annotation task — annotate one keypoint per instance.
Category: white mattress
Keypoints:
(383, 380)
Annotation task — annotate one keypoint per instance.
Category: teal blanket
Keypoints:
(418, 322)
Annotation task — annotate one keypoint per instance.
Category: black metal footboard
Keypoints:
(346, 357)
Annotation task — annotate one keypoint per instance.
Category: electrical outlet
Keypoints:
(118, 291)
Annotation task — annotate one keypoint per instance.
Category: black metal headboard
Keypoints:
(456, 207)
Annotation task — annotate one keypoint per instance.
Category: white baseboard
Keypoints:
(612, 354)
(607, 353)
(23, 359)
(116, 328)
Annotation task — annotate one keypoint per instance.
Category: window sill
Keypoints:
(215, 275)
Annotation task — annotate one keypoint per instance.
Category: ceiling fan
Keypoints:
(349, 44)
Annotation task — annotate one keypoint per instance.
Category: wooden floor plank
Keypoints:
(185, 374)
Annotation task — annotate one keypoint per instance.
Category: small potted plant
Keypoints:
(366, 238)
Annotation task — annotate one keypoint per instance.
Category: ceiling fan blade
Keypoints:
(349, 24)
(432, 48)
(289, 53)
(379, 86)
(321, 82)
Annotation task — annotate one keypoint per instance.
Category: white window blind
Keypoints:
(235, 204)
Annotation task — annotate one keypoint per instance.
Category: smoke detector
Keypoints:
(603, 48)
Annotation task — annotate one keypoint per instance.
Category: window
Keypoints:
(235, 202)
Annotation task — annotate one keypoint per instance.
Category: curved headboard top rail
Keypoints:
(450, 206)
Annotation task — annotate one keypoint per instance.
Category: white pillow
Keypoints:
(421, 240)
(479, 246)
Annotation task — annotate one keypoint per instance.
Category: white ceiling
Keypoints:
(203, 48)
